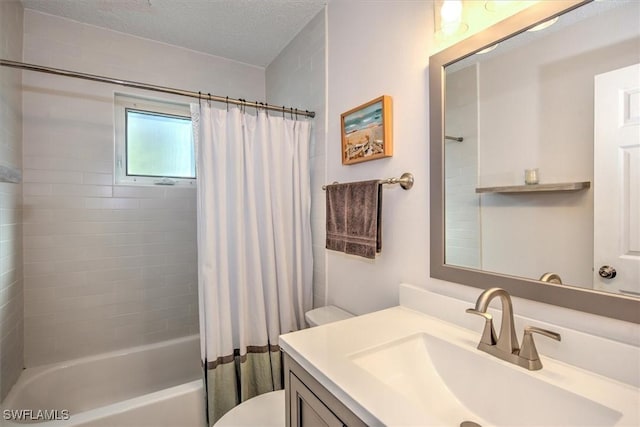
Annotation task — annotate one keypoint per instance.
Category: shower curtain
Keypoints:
(254, 247)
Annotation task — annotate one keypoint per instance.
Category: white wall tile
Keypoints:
(36, 189)
(81, 190)
(38, 162)
(51, 202)
(111, 203)
(97, 178)
(138, 192)
(11, 277)
(462, 204)
(55, 177)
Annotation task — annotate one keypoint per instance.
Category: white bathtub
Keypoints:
(152, 385)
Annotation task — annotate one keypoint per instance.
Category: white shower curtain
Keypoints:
(254, 247)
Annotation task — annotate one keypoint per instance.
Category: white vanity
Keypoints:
(408, 366)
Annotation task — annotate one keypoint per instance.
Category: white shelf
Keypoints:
(536, 188)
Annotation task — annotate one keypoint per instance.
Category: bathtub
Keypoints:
(152, 385)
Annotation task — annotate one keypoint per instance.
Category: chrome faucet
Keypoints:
(505, 346)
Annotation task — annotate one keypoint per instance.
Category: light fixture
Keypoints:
(488, 49)
(451, 16)
(545, 24)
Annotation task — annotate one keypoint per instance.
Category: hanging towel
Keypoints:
(354, 218)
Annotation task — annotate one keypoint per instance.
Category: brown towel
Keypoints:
(354, 218)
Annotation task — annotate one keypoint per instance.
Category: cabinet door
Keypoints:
(306, 409)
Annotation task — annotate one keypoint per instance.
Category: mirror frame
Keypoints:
(591, 301)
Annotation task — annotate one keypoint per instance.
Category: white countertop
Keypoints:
(326, 353)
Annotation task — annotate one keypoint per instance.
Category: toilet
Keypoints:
(267, 410)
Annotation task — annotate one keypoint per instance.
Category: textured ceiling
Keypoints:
(249, 31)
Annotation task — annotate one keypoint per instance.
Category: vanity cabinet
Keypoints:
(309, 404)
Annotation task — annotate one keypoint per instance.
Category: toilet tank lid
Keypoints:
(324, 315)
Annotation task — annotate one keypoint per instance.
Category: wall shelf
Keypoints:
(537, 188)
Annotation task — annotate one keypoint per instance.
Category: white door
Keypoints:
(616, 180)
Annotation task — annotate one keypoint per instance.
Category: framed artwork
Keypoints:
(367, 132)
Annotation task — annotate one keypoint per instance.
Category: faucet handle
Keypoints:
(528, 350)
(488, 334)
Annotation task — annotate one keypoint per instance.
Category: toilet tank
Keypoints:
(323, 315)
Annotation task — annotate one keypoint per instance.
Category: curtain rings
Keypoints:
(258, 105)
(243, 105)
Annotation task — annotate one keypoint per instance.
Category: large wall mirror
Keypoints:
(535, 157)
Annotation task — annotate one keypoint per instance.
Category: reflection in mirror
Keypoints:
(540, 101)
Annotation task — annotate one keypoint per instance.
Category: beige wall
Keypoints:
(11, 282)
(382, 48)
(379, 48)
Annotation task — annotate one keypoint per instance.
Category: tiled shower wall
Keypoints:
(11, 284)
(462, 204)
(106, 266)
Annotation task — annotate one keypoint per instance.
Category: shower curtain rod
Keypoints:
(137, 85)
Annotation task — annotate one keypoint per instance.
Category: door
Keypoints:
(617, 181)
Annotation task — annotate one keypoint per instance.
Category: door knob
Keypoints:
(607, 272)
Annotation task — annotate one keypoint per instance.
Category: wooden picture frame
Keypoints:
(367, 132)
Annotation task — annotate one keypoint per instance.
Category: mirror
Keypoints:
(524, 111)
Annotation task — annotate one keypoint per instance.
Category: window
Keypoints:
(154, 142)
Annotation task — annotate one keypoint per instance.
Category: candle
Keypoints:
(531, 176)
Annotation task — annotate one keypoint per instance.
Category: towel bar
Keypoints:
(454, 138)
(405, 181)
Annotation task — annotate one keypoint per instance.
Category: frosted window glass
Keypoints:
(159, 145)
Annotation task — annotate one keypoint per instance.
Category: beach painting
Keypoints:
(367, 131)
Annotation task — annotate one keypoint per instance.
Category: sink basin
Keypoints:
(458, 383)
